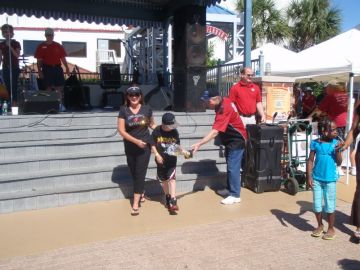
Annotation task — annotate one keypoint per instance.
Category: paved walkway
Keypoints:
(230, 237)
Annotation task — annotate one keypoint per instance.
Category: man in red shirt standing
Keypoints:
(230, 128)
(247, 97)
(50, 55)
(308, 102)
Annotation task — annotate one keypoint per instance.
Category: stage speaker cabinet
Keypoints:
(40, 102)
(113, 99)
(159, 98)
(110, 76)
(190, 36)
(189, 71)
(263, 158)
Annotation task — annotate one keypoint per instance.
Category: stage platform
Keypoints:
(78, 157)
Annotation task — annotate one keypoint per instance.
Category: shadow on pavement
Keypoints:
(308, 225)
(295, 219)
(207, 175)
(348, 264)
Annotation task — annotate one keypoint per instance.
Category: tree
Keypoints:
(312, 21)
(268, 23)
(210, 51)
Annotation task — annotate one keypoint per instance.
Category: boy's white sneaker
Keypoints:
(353, 171)
(230, 200)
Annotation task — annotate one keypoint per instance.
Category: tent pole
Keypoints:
(349, 122)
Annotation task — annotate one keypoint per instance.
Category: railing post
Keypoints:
(218, 75)
(261, 63)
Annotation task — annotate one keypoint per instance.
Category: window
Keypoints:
(110, 44)
(29, 47)
(115, 45)
(75, 49)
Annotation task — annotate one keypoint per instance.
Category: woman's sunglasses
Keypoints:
(134, 95)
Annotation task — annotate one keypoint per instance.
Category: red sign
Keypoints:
(217, 32)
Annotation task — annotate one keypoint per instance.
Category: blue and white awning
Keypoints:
(143, 13)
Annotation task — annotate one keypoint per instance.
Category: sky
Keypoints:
(350, 10)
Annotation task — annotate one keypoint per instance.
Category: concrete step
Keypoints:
(96, 192)
(42, 148)
(78, 132)
(34, 180)
(77, 160)
(93, 119)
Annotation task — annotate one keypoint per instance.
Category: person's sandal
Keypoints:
(328, 236)
(142, 198)
(135, 212)
(317, 232)
(357, 234)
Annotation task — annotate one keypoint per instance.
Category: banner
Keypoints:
(278, 100)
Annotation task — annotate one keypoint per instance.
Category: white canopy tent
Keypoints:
(336, 58)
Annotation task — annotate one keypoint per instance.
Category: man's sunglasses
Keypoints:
(134, 95)
(249, 75)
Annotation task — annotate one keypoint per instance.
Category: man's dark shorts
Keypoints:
(165, 173)
(53, 76)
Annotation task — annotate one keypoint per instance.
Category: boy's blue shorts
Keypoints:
(327, 191)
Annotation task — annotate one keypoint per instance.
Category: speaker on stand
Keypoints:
(110, 79)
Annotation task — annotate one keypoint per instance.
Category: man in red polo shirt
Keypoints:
(50, 55)
(308, 102)
(230, 128)
(247, 97)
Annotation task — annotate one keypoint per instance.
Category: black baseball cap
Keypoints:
(168, 119)
(133, 90)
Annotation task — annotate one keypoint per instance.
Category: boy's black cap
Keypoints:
(168, 119)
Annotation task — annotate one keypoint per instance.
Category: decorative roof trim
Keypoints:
(141, 16)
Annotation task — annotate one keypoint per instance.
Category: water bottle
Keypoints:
(4, 108)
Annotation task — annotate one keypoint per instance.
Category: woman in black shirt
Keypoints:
(134, 121)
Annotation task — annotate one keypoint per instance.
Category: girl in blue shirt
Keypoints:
(322, 175)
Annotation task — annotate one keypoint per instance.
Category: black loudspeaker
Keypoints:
(113, 99)
(189, 85)
(41, 102)
(159, 98)
(189, 58)
(190, 36)
(110, 76)
(263, 158)
(77, 97)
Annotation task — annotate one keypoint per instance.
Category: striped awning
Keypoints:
(143, 13)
